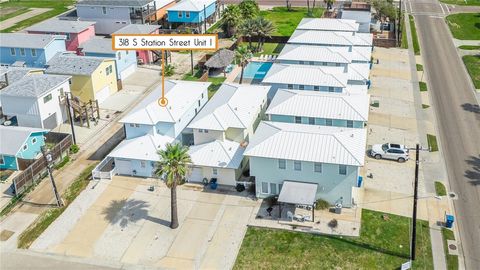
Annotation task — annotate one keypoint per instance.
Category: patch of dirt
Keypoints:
(5, 235)
(8, 10)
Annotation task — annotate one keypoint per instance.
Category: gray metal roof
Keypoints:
(70, 64)
(137, 29)
(21, 40)
(16, 137)
(120, 3)
(62, 26)
(34, 85)
(220, 59)
(98, 45)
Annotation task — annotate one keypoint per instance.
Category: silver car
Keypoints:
(391, 151)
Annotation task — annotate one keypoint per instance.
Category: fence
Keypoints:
(38, 169)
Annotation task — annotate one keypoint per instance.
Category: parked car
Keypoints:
(392, 151)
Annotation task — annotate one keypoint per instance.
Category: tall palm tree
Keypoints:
(231, 19)
(242, 55)
(248, 29)
(173, 167)
(264, 29)
(249, 9)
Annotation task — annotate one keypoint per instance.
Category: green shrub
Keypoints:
(62, 163)
(321, 204)
(74, 149)
(440, 189)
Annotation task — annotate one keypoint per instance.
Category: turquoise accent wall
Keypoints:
(195, 17)
(33, 149)
(9, 163)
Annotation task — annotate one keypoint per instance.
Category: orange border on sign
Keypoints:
(158, 48)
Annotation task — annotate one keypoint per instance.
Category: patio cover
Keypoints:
(298, 193)
(220, 59)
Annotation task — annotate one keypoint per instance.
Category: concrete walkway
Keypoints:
(27, 15)
(459, 42)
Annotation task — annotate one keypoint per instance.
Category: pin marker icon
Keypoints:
(163, 101)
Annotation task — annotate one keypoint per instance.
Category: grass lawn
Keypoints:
(57, 6)
(419, 67)
(286, 21)
(465, 25)
(16, 12)
(425, 106)
(212, 89)
(423, 86)
(48, 217)
(413, 29)
(268, 48)
(452, 260)
(383, 244)
(404, 34)
(469, 47)
(462, 2)
(472, 62)
(440, 189)
(432, 142)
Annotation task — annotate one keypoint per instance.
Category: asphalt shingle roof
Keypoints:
(34, 85)
(120, 3)
(137, 29)
(71, 64)
(98, 45)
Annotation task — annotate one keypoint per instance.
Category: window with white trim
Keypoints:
(328, 122)
(297, 165)
(214, 171)
(132, 125)
(316, 88)
(298, 120)
(273, 188)
(317, 167)
(331, 89)
(301, 87)
(34, 140)
(264, 188)
(187, 14)
(104, 10)
(68, 36)
(350, 123)
(282, 164)
(290, 86)
(142, 164)
(25, 147)
(311, 121)
(137, 125)
(342, 169)
(47, 98)
(180, 14)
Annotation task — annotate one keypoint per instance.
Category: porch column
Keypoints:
(313, 213)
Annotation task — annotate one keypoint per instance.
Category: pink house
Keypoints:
(77, 32)
(143, 57)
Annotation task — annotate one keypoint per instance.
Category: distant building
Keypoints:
(23, 143)
(76, 32)
(111, 15)
(331, 38)
(25, 50)
(93, 78)
(328, 24)
(192, 13)
(35, 100)
(125, 61)
(143, 56)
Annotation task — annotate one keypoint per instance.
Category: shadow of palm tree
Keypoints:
(122, 212)
(474, 172)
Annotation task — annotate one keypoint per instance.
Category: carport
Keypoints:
(298, 193)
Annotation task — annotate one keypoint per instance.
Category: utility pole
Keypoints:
(399, 22)
(191, 60)
(48, 159)
(415, 197)
(70, 118)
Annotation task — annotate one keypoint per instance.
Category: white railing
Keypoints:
(97, 173)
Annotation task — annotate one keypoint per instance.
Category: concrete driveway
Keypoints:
(126, 223)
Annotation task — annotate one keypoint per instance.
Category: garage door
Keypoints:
(103, 94)
(196, 175)
(123, 166)
(128, 71)
(50, 122)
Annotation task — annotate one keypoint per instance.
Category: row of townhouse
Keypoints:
(314, 137)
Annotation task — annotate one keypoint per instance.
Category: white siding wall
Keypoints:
(114, 19)
(54, 106)
(210, 136)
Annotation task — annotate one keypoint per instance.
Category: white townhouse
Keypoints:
(34, 100)
(331, 38)
(319, 108)
(149, 126)
(328, 24)
(222, 130)
(327, 159)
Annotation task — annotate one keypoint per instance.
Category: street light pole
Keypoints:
(70, 117)
(415, 198)
(48, 160)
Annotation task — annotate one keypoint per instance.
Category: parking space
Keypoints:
(129, 224)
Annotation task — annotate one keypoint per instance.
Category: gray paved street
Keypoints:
(458, 118)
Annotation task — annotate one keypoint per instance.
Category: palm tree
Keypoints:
(173, 167)
(248, 29)
(329, 4)
(264, 30)
(242, 55)
(249, 9)
(231, 19)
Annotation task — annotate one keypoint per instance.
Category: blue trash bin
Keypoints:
(449, 221)
(359, 181)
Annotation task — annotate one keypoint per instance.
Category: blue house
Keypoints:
(192, 13)
(125, 61)
(19, 143)
(20, 49)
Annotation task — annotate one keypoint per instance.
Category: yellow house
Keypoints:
(93, 78)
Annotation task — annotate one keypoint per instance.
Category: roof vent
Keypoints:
(351, 135)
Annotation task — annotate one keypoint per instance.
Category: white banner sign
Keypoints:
(165, 42)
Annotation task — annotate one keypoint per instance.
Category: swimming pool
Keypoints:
(256, 70)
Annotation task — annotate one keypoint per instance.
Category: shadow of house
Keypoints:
(474, 172)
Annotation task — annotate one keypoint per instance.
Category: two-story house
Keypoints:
(328, 24)
(112, 15)
(143, 56)
(222, 129)
(35, 100)
(93, 78)
(327, 157)
(192, 14)
(149, 126)
(125, 60)
(19, 49)
(319, 108)
(75, 32)
(23, 143)
(331, 38)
